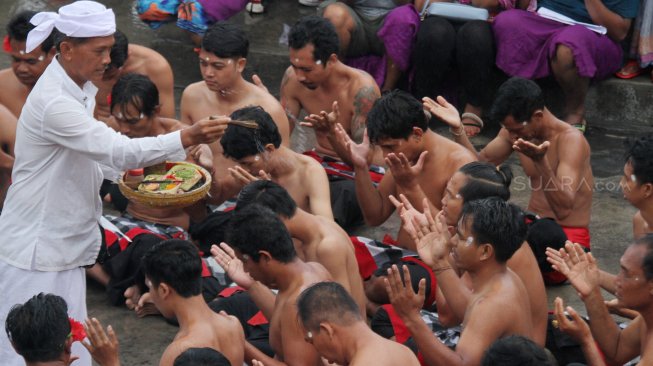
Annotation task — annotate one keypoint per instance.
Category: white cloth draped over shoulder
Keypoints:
(81, 19)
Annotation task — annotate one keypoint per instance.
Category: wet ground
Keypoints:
(143, 340)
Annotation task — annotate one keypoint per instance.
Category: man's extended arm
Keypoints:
(617, 25)
(319, 199)
(163, 79)
(289, 102)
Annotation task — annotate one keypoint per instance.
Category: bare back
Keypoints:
(355, 93)
(332, 248)
(220, 332)
(286, 337)
(385, 352)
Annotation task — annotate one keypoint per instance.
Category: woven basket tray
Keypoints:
(168, 199)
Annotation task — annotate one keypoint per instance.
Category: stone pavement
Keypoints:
(616, 109)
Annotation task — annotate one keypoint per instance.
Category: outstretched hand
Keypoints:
(408, 214)
(323, 122)
(205, 131)
(403, 298)
(579, 267)
(103, 346)
(433, 239)
(534, 152)
(404, 173)
(226, 258)
(359, 154)
(443, 110)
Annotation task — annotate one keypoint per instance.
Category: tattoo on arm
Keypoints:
(363, 102)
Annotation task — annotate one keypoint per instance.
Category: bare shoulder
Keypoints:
(361, 79)
(174, 349)
(290, 86)
(194, 90)
(170, 125)
(153, 61)
(570, 139)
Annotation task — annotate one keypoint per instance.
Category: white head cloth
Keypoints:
(81, 19)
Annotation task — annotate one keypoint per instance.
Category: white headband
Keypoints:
(81, 19)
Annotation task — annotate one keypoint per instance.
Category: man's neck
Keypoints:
(289, 274)
(647, 213)
(282, 162)
(68, 69)
(549, 127)
(60, 362)
(234, 92)
(357, 337)
(189, 311)
(334, 81)
(302, 226)
(485, 273)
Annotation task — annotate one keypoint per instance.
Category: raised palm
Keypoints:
(226, 258)
(579, 267)
(443, 110)
(433, 240)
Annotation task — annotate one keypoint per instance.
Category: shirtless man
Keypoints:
(259, 154)
(317, 81)
(474, 181)
(222, 59)
(131, 58)
(633, 287)
(554, 154)
(340, 334)
(263, 257)
(173, 270)
(487, 235)
(26, 68)
(316, 239)
(421, 162)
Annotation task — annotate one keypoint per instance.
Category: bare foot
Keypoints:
(132, 296)
(471, 120)
(146, 307)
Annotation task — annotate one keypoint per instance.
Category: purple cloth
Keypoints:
(526, 42)
(398, 36)
(223, 9)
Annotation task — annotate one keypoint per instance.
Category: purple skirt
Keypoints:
(526, 42)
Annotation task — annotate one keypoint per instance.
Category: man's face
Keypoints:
(452, 201)
(634, 192)
(408, 146)
(254, 269)
(310, 72)
(632, 289)
(253, 164)
(28, 67)
(89, 59)
(219, 74)
(519, 129)
(133, 123)
(464, 249)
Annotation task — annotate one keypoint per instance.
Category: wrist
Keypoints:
(457, 131)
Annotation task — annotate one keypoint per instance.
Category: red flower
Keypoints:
(6, 44)
(109, 99)
(76, 330)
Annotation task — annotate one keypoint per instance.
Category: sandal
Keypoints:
(476, 122)
(630, 70)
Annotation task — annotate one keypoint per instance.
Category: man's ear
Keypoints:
(164, 290)
(332, 59)
(487, 251)
(537, 115)
(240, 64)
(328, 330)
(157, 109)
(418, 133)
(66, 50)
(264, 256)
(270, 148)
(648, 189)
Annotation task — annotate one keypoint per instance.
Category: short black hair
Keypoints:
(19, 26)
(135, 89)
(239, 141)
(485, 180)
(317, 31)
(516, 350)
(327, 301)
(226, 40)
(394, 115)
(120, 50)
(545, 233)
(176, 263)
(39, 328)
(639, 153)
(201, 357)
(498, 223)
(647, 261)
(255, 228)
(211, 230)
(269, 194)
(517, 97)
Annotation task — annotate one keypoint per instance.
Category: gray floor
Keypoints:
(143, 340)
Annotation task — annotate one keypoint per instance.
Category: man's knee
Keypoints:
(475, 33)
(338, 14)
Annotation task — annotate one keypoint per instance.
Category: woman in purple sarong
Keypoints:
(450, 52)
(532, 46)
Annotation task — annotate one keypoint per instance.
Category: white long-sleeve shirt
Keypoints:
(49, 219)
